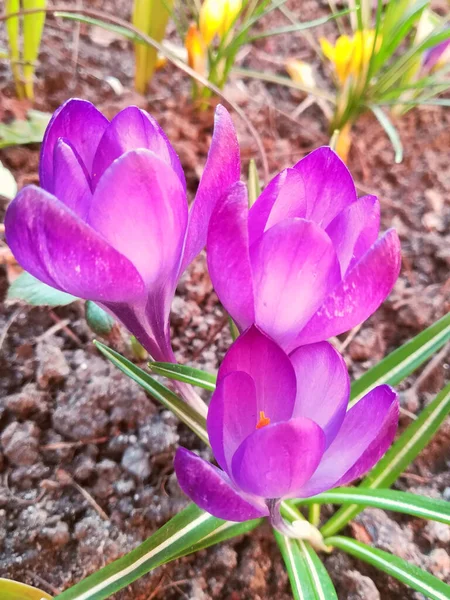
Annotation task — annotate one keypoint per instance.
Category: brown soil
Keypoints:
(86, 457)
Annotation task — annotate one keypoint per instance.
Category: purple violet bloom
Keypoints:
(110, 222)
(279, 428)
(304, 263)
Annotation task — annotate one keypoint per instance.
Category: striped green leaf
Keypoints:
(405, 360)
(403, 502)
(398, 457)
(185, 373)
(176, 538)
(170, 400)
(391, 131)
(308, 577)
(417, 578)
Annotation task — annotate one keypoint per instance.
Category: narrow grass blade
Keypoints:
(13, 32)
(298, 26)
(176, 537)
(33, 25)
(170, 400)
(390, 130)
(253, 184)
(403, 502)
(405, 360)
(417, 578)
(185, 373)
(398, 457)
(308, 577)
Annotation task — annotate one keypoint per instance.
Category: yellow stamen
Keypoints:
(263, 420)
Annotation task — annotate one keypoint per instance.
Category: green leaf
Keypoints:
(309, 578)
(19, 132)
(185, 373)
(390, 130)
(32, 27)
(409, 504)
(28, 288)
(418, 579)
(405, 360)
(170, 400)
(398, 457)
(98, 319)
(14, 590)
(12, 31)
(175, 538)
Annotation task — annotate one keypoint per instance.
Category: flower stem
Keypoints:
(300, 529)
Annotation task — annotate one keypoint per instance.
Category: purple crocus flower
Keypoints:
(304, 263)
(434, 55)
(279, 428)
(111, 221)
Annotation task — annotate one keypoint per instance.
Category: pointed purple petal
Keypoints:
(79, 122)
(355, 230)
(366, 433)
(359, 295)
(294, 269)
(228, 256)
(283, 198)
(232, 416)
(70, 180)
(140, 208)
(222, 169)
(134, 129)
(328, 185)
(54, 245)
(323, 386)
(278, 459)
(212, 490)
(270, 368)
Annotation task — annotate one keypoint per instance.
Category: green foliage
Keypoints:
(150, 17)
(24, 39)
(31, 290)
(98, 319)
(409, 574)
(14, 590)
(18, 131)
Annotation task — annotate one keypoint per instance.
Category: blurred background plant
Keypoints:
(150, 17)
(24, 39)
(393, 56)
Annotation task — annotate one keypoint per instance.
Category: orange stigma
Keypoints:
(263, 420)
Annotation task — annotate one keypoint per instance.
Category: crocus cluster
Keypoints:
(110, 223)
(350, 56)
(279, 428)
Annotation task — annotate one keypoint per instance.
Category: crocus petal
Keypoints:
(228, 256)
(366, 433)
(54, 245)
(283, 198)
(221, 171)
(70, 180)
(79, 122)
(328, 184)
(323, 386)
(232, 416)
(132, 129)
(139, 206)
(294, 269)
(354, 231)
(256, 354)
(211, 489)
(278, 459)
(360, 293)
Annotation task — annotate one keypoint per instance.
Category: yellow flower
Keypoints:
(301, 72)
(196, 50)
(217, 16)
(351, 55)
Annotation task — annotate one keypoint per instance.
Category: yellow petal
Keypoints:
(211, 17)
(231, 11)
(196, 50)
(327, 49)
